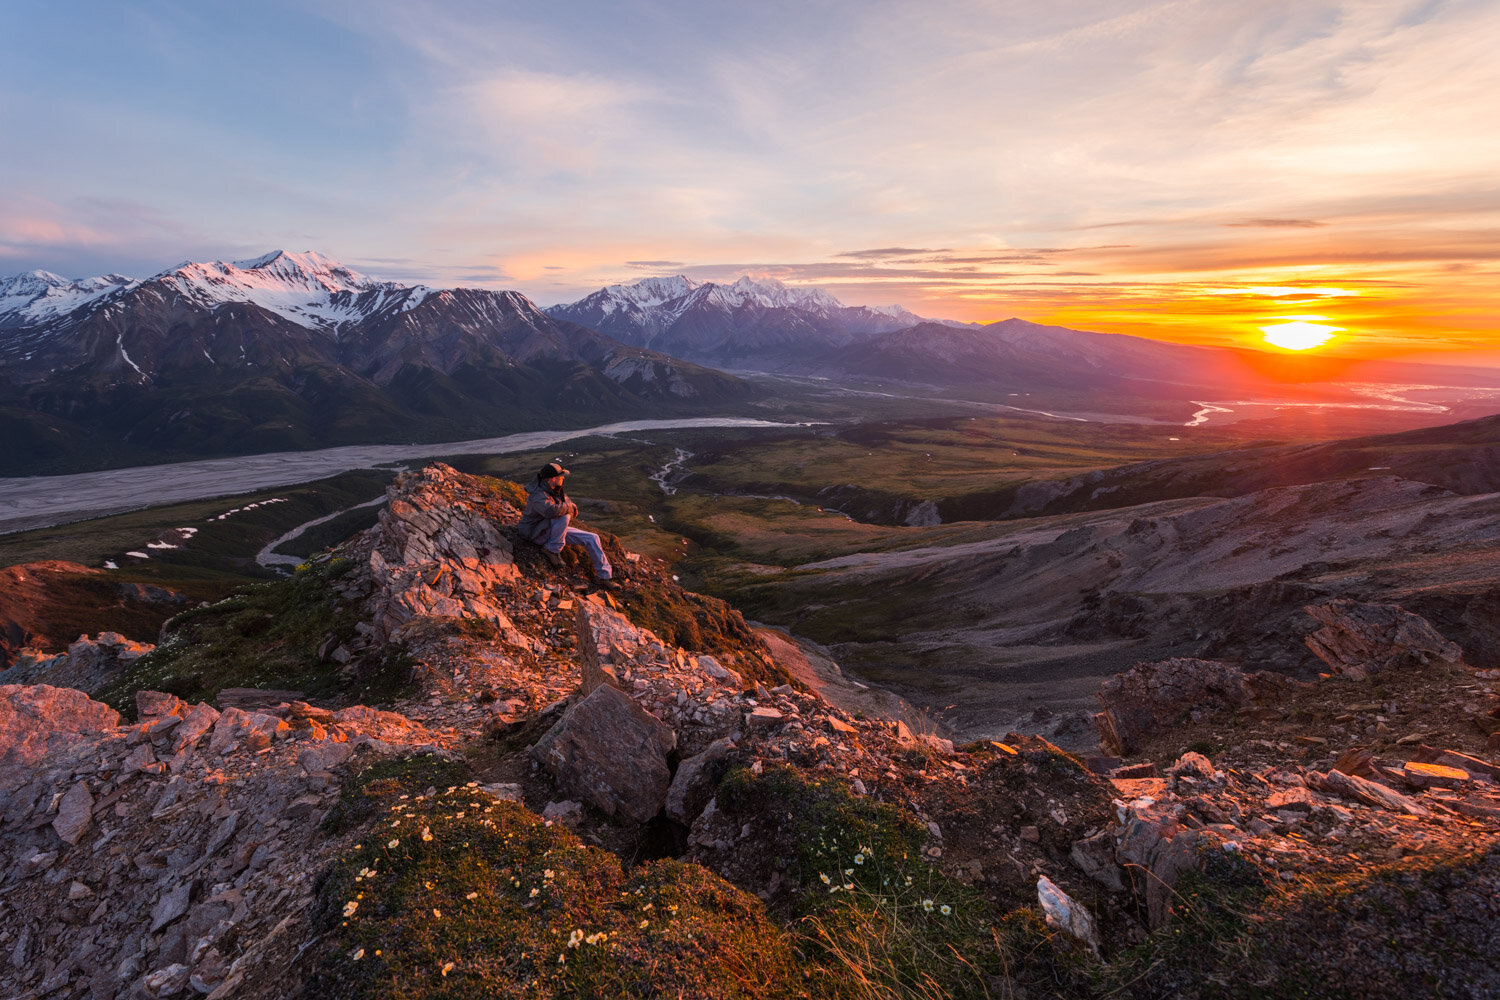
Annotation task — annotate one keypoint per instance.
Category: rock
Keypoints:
(1095, 857)
(764, 717)
(566, 812)
(139, 759)
(505, 790)
(88, 665)
(1453, 758)
(35, 719)
(713, 668)
(74, 813)
(1066, 914)
(1296, 799)
(1358, 639)
(1135, 771)
(606, 640)
(1420, 775)
(431, 557)
(1356, 761)
(171, 906)
(248, 699)
(160, 728)
(1369, 792)
(609, 752)
(324, 756)
(1191, 765)
(387, 726)
(695, 781)
(1151, 696)
(169, 981)
(1156, 851)
(151, 704)
(199, 720)
(229, 730)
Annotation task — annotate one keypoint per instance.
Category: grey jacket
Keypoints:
(542, 507)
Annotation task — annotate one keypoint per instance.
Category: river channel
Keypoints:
(43, 501)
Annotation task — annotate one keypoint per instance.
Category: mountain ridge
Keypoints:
(289, 351)
(745, 320)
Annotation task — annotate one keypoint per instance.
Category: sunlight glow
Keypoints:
(1299, 335)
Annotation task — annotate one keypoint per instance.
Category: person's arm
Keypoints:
(557, 508)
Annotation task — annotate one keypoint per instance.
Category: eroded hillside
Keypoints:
(552, 791)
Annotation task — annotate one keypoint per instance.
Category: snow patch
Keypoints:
(120, 343)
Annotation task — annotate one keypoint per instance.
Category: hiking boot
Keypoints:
(610, 585)
(553, 558)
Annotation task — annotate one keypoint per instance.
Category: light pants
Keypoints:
(559, 534)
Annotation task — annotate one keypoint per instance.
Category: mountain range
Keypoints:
(292, 351)
(762, 325)
(751, 322)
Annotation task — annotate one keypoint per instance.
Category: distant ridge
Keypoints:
(750, 320)
(295, 350)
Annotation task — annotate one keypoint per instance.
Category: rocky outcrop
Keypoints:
(1358, 640)
(1151, 696)
(88, 665)
(37, 721)
(429, 557)
(176, 856)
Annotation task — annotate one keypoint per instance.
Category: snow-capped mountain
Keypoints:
(306, 288)
(748, 322)
(296, 350)
(40, 296)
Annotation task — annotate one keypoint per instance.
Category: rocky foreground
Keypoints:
(189, 851)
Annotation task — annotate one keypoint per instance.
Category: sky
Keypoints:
(1190, 170)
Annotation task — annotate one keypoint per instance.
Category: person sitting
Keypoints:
(546, 522)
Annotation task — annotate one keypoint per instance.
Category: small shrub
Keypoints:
(878, 920)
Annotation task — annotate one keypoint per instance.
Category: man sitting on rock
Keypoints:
(545, 522)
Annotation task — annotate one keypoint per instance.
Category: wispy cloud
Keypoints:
(957, 157)
(1275, 224)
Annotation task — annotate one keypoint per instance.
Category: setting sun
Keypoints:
(1299, 335)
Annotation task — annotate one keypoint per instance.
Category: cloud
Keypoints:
(1275, 224)
(885, 252)
(653, 264)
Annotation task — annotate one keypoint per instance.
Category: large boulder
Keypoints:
(35, 719)
(1358, 639)
(1149, 696)
(609, 752)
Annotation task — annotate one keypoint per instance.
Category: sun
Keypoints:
(1299, 335)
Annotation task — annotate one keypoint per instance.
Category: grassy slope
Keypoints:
(222, 549)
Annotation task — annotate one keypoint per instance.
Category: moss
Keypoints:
(461, 895)
(262, 636)
(820, 826)
(377, 787)
(505, 490)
